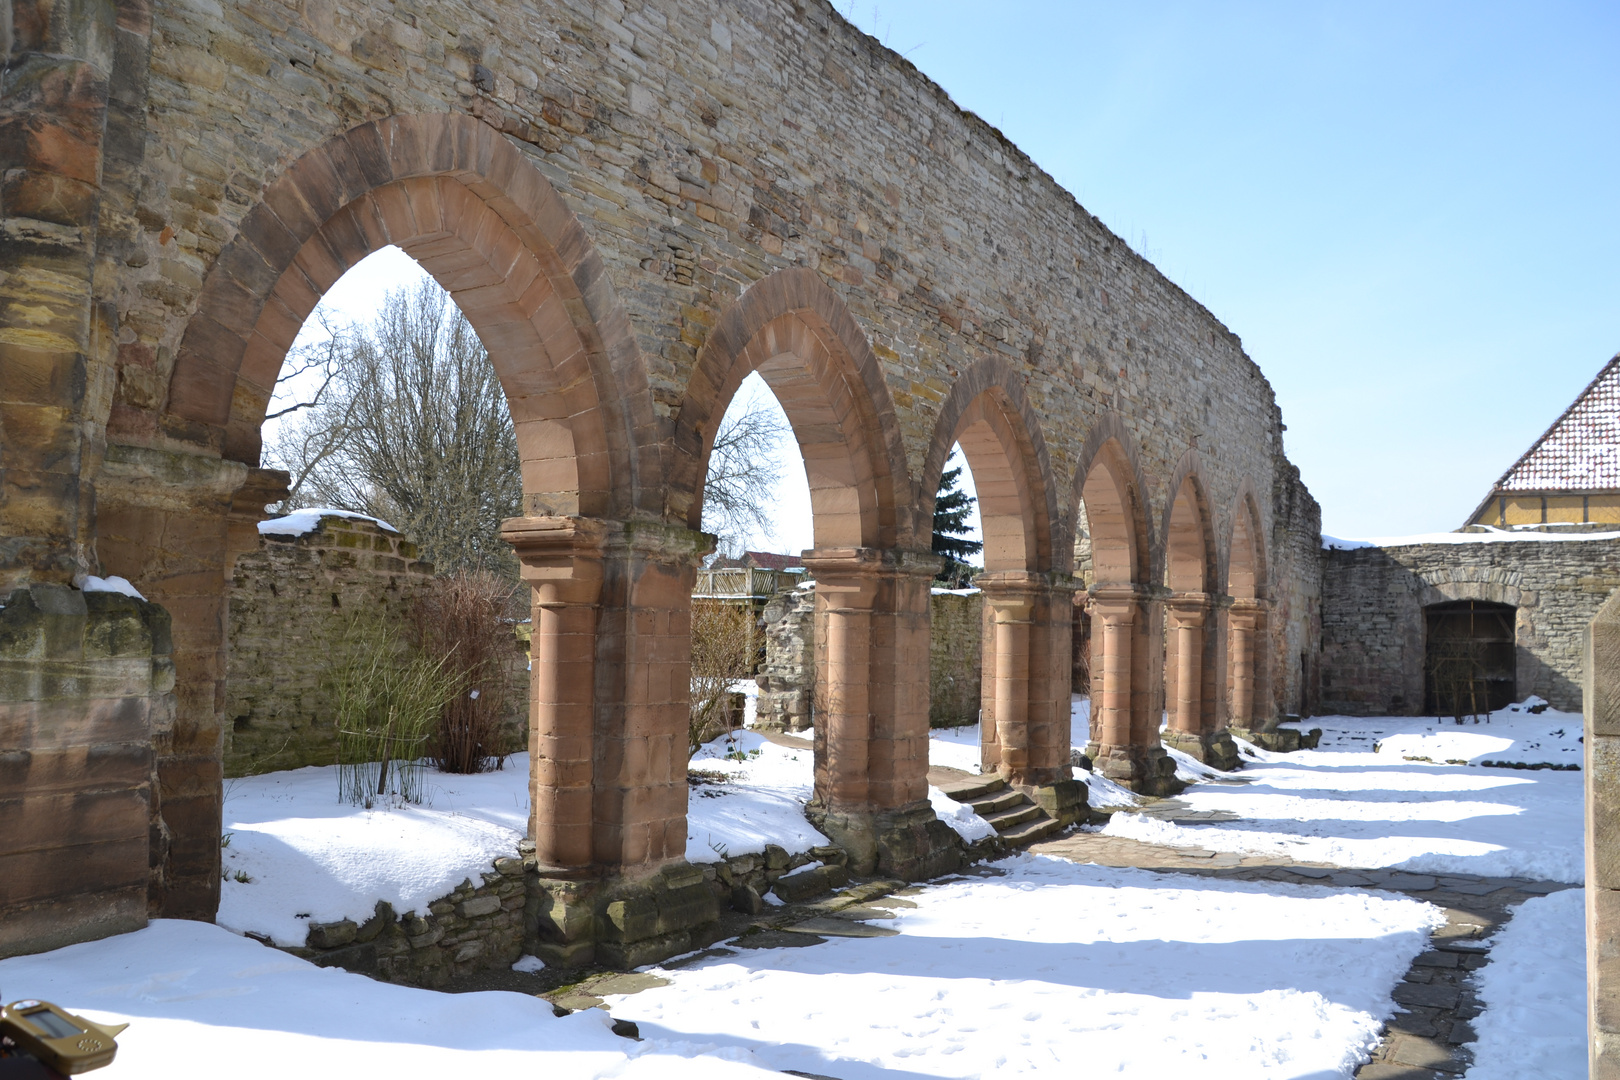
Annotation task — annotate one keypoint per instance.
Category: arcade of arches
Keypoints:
(632, 233)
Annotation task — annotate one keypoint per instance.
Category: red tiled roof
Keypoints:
(769, 560)
(1581, 451)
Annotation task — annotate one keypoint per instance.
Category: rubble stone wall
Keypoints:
(291, 601)
(955, 649)
(1372, 653)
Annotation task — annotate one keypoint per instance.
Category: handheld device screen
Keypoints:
(54, 1026)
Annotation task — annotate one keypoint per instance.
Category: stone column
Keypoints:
(1242, 627)
(871, 794)
(1140, 763)
(1602, 773)
(1025, 736)
(1192, 716)
(609, 711)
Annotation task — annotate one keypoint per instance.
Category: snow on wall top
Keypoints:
(1581, 451)
(1489, 536)
(300, 522)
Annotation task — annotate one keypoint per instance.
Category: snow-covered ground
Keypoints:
(202, 1002)
(1534, 991)
(1366, 799)
(1064, 968)
(1049, 965)
(295, 854)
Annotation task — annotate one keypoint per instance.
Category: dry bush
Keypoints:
(461, 622)
(722, 653)
(388, 696)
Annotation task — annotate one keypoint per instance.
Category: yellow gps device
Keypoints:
(67, 1043)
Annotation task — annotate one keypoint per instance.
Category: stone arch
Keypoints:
(1247, 673)
(1125, 699)
(989, 414)
(1025, 687)
(1188, 573)
(1109, 481)
(467, 205)
(802, 339)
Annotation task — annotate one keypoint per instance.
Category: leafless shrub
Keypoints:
(722, 651)
(460, 621)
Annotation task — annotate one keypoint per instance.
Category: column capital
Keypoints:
(1188, 608)
(841, 565)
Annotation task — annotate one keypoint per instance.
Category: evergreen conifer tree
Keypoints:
(951, 509)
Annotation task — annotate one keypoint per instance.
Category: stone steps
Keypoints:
(1014, 816)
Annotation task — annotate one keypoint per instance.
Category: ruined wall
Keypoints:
(955, 652)
(787, 677)
(86, 687)
(1372, 614)
(291, 601)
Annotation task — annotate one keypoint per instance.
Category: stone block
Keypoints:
(331, 935)
(478, 905)
(804, 885)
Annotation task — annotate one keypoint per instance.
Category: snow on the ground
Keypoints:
(201, 1001)
(1534, 991)
(309, 857)
(1489, 536)
(1347, 805)
(1064, 967)
(300, 522)
(1513, 734)
(955, 748)
(760, 802)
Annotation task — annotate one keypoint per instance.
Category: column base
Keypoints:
(1280, 740)
(1064, 801)
(910, 844)
(1146, 770)
(1218, 751)
(574, 918)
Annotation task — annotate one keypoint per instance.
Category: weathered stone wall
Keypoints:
(473, 928)
(291, 602)
(634, 202)
(787, 678)
(1372, 614)
(955, 648)
(86, 685)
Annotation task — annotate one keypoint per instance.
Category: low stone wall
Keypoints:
(290, 603)
(86, 694)
(474, 928)
(1372, 655)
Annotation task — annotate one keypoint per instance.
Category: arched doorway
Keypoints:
(1024, 716)
(1189, 668)
(1246, 689)
(1124, 743)
(871, 731)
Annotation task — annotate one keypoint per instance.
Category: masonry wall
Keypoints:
(86, 691)
(291, 601)
(955, 652)
(1372, 651)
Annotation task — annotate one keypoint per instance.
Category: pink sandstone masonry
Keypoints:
(638, 204)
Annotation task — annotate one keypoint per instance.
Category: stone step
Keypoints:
(1036, 829)
(996, 802)
(1007, 820)
(974, 787)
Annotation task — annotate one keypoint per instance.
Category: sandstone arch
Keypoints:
(1124, 742)
(457, 197)
(1024, 716)
(802, 339)
(1246, 689)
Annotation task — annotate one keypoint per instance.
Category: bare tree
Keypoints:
(415, 429)
(744, 470)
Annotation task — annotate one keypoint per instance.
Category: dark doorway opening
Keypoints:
(1469, 658)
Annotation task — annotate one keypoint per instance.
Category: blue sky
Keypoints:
(1408, 212)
